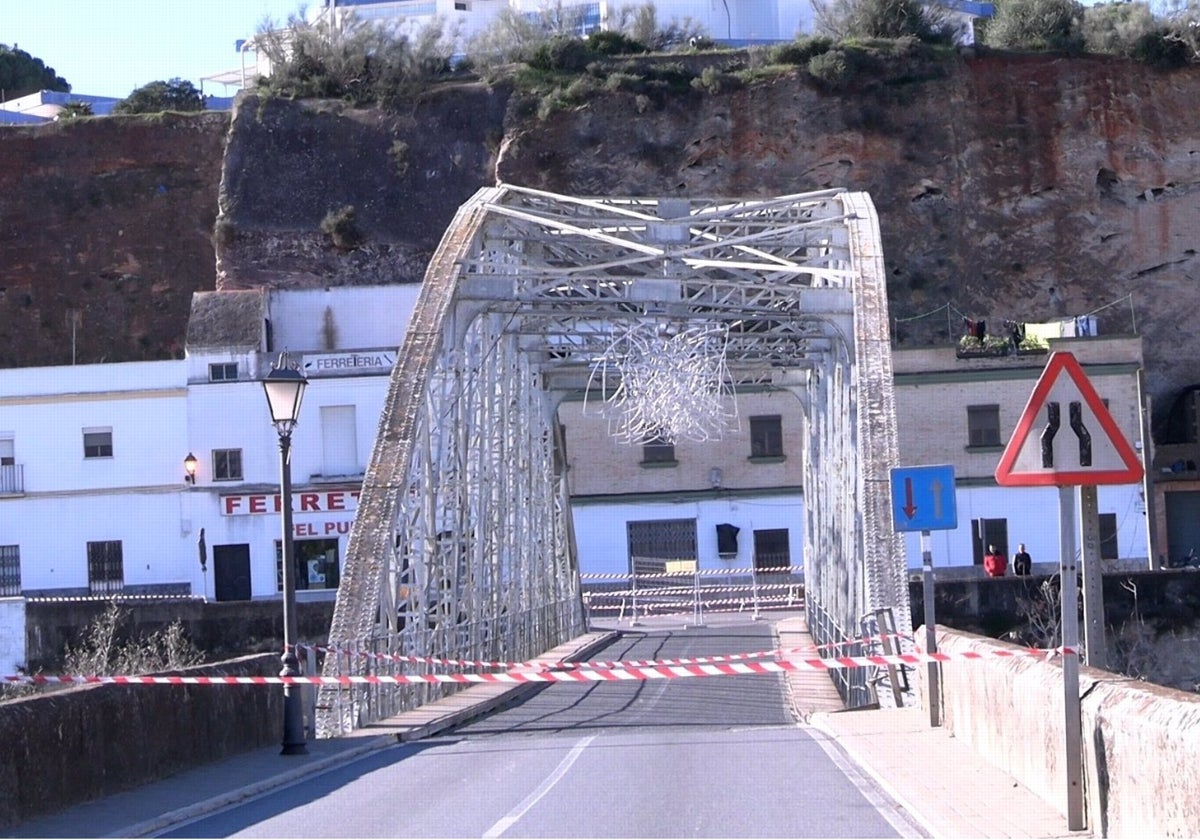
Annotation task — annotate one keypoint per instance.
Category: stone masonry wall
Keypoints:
(86, 742)
(1139, 740)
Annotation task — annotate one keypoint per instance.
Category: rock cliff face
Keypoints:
(1028, 188)
(105, 231)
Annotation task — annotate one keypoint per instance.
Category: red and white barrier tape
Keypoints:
(536, 665)
(575, 675)
(782, 570)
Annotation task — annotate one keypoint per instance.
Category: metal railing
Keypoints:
(12, 479)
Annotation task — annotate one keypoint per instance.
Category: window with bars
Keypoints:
(658, 451)
(106, 567)
(983, 425)
(772, 549)
(223, 372)
(766, 436)
(97, 443)
(653, 543)
(227, 464)
(10, 570)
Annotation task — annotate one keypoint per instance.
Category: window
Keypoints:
(983, 425)
(97, 443)
(227, 464)
(653, 543)
(316, 563)
(658, 451)
(10, 570)
(106, 567)
(1109, 550)
(766, 437)
(223, 372)
(771, 550)
(462, 6)
(8, 456)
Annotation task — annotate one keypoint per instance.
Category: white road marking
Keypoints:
(549, 782)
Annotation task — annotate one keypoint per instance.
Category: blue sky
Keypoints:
(111, 47)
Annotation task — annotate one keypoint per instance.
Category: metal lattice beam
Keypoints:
(462, 546)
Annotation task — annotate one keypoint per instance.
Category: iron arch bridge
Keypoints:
(462, 546)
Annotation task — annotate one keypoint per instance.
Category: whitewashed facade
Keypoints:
(95, 495)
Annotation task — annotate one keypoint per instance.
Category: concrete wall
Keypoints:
(12, 634)
(85, 742)
(221, 630)
(1141, 742)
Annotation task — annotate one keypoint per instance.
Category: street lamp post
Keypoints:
(284, 387)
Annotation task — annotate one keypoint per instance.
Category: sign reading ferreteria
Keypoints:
(369, 361)
(323, 501)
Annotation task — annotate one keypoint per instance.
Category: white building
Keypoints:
(94, 497)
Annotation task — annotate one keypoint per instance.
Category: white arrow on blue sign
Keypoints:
(923, 498)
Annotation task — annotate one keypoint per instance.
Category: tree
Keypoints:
(1116, 28)
(175, 95)
(362, 61)
(1035, 25)
(22, 74)
(845, 20)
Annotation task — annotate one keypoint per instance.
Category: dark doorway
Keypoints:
(985, 532)
(231, 572)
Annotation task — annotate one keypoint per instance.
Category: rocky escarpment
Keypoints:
(105, 232)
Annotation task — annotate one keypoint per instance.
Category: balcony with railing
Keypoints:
(12, 479)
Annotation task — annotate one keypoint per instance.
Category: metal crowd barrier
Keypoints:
(686, 590)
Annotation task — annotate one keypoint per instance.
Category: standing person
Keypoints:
(1022, 562)
(994, 563)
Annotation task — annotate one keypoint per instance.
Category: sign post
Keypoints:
(923, 500)
(1065, 454)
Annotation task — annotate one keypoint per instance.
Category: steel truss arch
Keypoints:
(462, 546)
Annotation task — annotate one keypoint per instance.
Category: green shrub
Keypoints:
(1161, 50)
(713, 81)
(801, 51)
(341, 226)
(399, 155)
(562, 54)
(103, 650)
(832, 69)
(610, 42)
(364, 62)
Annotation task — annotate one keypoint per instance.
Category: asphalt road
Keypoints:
(695, 757)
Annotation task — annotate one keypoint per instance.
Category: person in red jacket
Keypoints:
(994, 563)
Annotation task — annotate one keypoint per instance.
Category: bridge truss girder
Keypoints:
(462, 546)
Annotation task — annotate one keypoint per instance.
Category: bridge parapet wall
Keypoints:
(1140, 740)
(81, 743)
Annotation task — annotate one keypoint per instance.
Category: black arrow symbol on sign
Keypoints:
(1052, 419)
(1081, 432)
(909, 508)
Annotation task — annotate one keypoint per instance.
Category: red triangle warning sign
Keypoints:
(1066, 436)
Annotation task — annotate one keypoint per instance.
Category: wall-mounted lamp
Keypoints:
(189, 465)
(714, 478)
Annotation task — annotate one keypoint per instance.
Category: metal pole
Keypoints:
(1072, 724)
(935, 694)
(1094, 640)
(293, 712)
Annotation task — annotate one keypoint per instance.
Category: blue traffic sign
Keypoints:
(923, 498)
